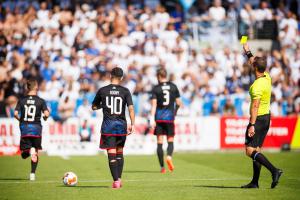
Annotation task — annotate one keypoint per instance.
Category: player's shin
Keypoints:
(170, 149)
(259, 157)
(34, 159)
(256, 172)
(113, 165)
(34, 165)
(160, 155)
(120, 161)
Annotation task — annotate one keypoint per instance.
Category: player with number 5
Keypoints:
(28, 112)
(165, 101)
(113, 100)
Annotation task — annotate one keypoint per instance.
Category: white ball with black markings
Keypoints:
(70, 179)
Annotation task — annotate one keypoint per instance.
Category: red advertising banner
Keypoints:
(233, 132)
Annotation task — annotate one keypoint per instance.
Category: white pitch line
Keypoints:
(129, 180)
(138, 180)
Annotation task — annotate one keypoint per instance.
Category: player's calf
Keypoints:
(25, 154)
(120, 161)
(113, 166)
(34, 163)
(160, 155)
(33, 154)
(170, 150)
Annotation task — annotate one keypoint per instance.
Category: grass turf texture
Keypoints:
(196, 176)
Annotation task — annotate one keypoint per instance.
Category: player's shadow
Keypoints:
(218, 186)
(13, 179)
(85, 186)
(91, 186)
(141, 171)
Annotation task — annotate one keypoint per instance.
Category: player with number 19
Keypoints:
(113, 100)
(29, 112)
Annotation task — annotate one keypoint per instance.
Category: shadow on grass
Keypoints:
(84, 186)
(13, 179)
(141, 171)
(218, 186)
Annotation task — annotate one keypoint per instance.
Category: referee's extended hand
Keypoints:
(246, 47)
(251, 131)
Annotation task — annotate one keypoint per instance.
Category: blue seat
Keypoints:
(54, 109)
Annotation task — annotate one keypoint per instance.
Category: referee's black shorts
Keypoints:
(261, 127)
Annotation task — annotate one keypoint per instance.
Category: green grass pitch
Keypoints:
(196, 176)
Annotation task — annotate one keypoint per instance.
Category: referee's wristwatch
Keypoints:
(251, 124)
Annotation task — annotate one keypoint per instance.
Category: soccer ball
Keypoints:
(70, 179)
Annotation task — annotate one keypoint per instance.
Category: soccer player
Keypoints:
(165, 101)
(28, 112)
(260, 93)
(113, 99)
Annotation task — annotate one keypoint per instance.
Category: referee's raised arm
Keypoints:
(248, 53)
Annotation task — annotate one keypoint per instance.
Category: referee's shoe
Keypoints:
(275, 177)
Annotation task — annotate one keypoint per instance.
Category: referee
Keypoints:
(260, 92)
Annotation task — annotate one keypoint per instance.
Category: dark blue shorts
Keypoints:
(31, 130)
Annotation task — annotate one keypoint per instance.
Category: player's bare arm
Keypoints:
(132, 119)
(16, 115)
(253, 115)
(152, 113)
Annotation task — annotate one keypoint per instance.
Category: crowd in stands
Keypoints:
(71, 51)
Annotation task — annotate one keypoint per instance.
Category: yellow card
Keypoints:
(244, 39)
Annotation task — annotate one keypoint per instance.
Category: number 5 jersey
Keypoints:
(113, 99)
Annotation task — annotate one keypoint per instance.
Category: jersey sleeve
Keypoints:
(44, 106)
(128, 98)
(177, 93)
(18, 106)
(97, 99)
(257, 92)
(153, 93)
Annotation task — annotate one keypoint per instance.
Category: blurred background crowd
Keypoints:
(70, 47)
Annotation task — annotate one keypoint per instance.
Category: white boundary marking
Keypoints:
(137, 180)
(130, 180)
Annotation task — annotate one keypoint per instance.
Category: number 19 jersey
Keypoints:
(30, 108)
(165, 94)
(113, 99)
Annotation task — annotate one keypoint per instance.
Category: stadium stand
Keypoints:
(70, 48)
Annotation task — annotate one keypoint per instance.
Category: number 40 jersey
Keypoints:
(113, 99)
(30, 108)
(166, 94)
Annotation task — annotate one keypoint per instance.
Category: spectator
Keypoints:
(71, 52)
(289, 29)
(217, 12)
(229, 109)
(264, 12)
(84, 111)
(66, 109)
(85, 132)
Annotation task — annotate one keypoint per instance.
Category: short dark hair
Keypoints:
(260, 63)
(161, 72)
(117, 72)
(31, 84)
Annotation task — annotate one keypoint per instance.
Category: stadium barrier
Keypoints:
(192, 134)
